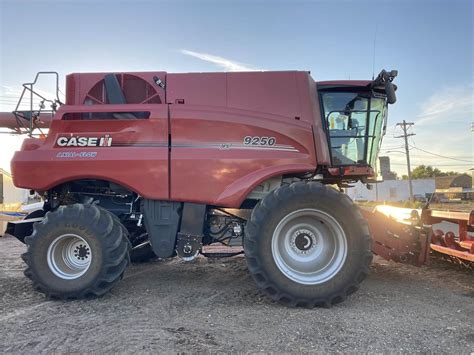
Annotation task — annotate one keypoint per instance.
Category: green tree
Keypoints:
(427, 171)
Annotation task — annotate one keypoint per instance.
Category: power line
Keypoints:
(441, 156)
(392, 147)
(435, 165)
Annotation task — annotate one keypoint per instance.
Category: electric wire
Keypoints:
(442, 156)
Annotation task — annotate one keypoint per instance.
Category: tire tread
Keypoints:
(262, 211)
(116, 251)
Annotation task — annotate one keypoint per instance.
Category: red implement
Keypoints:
(407, 235)
(461, 245)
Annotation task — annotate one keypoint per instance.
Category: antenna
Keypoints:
(373, 55)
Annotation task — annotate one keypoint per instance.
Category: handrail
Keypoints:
(32, 116)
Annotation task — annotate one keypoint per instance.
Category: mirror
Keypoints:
(390, 92)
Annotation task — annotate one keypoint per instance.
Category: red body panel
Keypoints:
(191, 148)
(80, 87)
(210, 164)
(137, 165)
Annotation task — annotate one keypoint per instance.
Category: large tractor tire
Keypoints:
(307, 245)
(76, 251)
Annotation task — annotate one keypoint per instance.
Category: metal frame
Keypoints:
(407, 235)
(461, 245)
(33, 115)
(366, 135)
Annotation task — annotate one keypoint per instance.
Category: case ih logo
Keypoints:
(79, 141)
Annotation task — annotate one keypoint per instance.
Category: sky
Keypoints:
(430, 43)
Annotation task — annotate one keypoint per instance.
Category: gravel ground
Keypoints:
(212, 305)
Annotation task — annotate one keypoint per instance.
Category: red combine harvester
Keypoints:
(137, 165)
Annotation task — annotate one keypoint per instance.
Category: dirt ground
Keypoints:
(213, 305)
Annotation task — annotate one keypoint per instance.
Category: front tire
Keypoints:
(76, 251)
(307, 245)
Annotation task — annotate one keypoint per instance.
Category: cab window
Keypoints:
(353, 121)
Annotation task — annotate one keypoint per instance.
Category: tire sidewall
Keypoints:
(325, 202)
(39, 262)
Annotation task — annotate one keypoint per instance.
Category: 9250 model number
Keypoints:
(257, 140)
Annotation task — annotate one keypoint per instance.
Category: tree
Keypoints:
(427, 171)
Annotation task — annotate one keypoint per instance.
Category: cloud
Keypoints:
(226, 64)
(449, 104)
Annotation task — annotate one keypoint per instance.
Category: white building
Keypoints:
(9, 194)
(391, 190)
(11, 197)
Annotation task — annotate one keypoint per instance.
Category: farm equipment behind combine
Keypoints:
(408, 235)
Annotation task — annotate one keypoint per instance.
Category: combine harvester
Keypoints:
(155, 163)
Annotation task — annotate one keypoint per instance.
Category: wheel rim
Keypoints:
(69, 256)
(309, 246)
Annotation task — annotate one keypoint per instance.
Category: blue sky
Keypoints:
(429, 42)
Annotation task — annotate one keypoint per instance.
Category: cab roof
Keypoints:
(344, 83)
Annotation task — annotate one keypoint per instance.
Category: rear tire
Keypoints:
(307, 245)
(76, 251)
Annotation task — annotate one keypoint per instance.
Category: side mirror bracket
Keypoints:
(385, 79)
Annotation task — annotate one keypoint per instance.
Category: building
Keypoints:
(453, 183)
(9, 194)
(11, 197)
(456, 187)
(391, 190)
(385, 168)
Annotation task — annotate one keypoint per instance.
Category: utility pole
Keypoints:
(405, 126)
